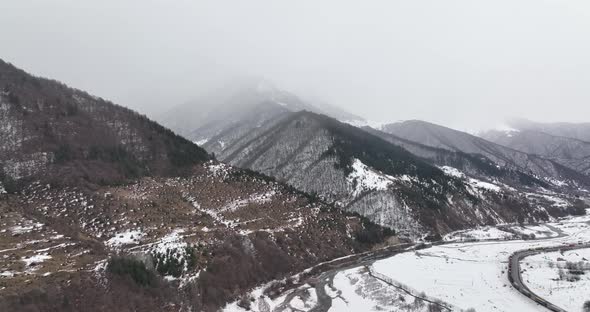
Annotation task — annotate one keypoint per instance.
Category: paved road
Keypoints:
(515, 276)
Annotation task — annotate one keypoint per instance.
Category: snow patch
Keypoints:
(201, 142)
(125, 238)
(452, 172)
(27, 227)
(36, 259)
(362, 178)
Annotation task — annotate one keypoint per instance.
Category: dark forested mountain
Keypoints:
(445, 138)
(109, 211)
(532, 138)
(59, 134)
(364, 173)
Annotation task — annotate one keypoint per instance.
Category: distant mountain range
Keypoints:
(416, 177)
(506, 157)
(565, 143)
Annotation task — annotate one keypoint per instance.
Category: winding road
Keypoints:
(322, 276)
(515, 273)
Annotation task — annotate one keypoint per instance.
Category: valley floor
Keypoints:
(454, 276)
(550, 276)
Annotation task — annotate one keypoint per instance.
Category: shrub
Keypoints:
(174, 262)
(133, 268)
(372, 233)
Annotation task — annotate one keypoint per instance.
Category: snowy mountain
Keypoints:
(453, 140)
(364, 173)
(475, 165)
(244, 105)
(579, 131)
(537, 139)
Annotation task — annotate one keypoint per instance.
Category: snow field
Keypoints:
(541, 274)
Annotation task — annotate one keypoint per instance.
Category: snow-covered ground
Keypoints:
(463, 276)
(474, 274)
(363, 178)
(351, 290)
(482, 233)
(505, 232)
(547, 275)
(130, 237)
(355, 290)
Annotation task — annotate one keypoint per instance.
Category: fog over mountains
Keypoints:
(251, 184)
(449, 63)
(319, 151)
(294, 156)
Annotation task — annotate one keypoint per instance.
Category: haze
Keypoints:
(464, 64)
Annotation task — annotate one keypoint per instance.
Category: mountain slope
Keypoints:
(363, 173)
(242, 105)
(109, 211)
(441, 137)
(61, 134)
(471, 164)
(567, 151)
(578, 131)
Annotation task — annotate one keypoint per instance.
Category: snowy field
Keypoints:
(548, 276)
(505, 232)
(474, 274)
(464, 276)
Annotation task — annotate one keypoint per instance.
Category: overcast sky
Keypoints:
(466, 64)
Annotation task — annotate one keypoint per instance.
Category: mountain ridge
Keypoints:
(442, 137)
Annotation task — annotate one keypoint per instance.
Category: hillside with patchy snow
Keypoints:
(362, 173)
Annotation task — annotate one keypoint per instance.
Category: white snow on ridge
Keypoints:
(475, 183)
(27, 227)
(130, 237)
(484, 185)
(217, 169)
(169, 242)
(201, 142)
(506, 128)
(556, 182)
(377, 125)
(36, 259)
(452, 172)
(363, 178)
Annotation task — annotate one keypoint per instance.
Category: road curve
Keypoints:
(323, 274)
(515, 277)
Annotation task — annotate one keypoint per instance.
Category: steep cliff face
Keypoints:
(363, 173)
(56, 133)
